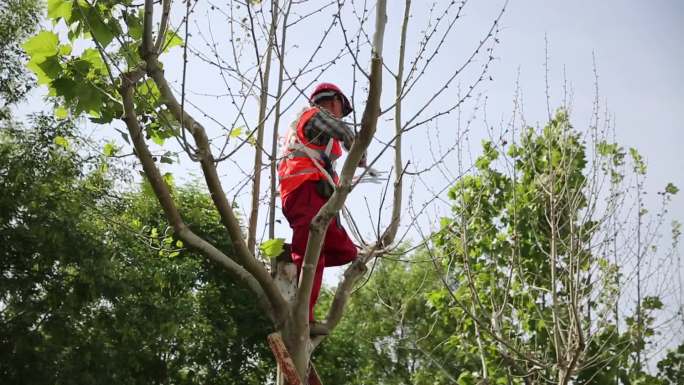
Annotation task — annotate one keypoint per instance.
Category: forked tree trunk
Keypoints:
(291, 350)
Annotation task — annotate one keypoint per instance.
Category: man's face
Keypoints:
(335, 107)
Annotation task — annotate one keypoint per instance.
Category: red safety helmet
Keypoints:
(327, 90)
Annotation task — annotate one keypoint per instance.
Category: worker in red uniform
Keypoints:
(307, 178)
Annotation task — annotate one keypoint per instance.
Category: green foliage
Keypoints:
(59, 9)
(171, 39)
(520, 239)
(62, 142)
(638, 161)
(236, 132)
(390, 332)
(613, 157)
(401, 328)
(80, 80)
(272, 247)
(96, 289)
(43, 48)
(109, 149)
(18, 20)
(671, 368)
(671, 189)
(85, 82)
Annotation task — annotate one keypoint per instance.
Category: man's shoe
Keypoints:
(318, 329)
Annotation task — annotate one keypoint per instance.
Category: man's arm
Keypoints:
(322, 126)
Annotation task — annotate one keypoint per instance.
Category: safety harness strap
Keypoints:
(301, 172)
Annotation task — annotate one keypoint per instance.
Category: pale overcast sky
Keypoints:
(639, 47)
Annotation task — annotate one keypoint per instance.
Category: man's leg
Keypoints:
(338, 248)
(299, 208)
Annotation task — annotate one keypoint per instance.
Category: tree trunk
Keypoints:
(296, 346)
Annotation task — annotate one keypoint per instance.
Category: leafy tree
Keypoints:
(526, 287)
(18, 20)
(95, 290)
(392, 332)
(671, 368)
(44, 239)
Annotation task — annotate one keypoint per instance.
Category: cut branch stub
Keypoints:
(284, 273)
(285, 363)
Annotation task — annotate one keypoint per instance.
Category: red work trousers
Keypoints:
(300, 207)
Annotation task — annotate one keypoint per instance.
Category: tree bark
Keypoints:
(263, 102)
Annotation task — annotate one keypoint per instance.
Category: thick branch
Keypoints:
(276, 125)
(161, 190)
(320, 223)
(225, 209)
(263, 99)
(163, 26)
(391, 232)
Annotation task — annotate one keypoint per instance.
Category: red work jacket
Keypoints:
(297, 164)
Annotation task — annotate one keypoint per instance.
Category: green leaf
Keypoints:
(89, 98)
(94, 59)
(172, 40)
(59, 9)
(465, 378)
(41, 46)
(156, 138)
(46, 70)
(235, 132)
(482, 163)
(61, 113)
(168, 178)
(65, 87)
(101, 32)
(109, 149)
(62, 141)
(149, 91)
(75, 30)
(671, 189)
(272, 248)
(639, 164)
(95, 116)
(43, 49)
(135, 26)
(65, 49)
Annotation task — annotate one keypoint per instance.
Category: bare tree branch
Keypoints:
(245, 257)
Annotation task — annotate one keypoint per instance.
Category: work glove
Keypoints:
(324, 189)
(323, 186)
(324, 122)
